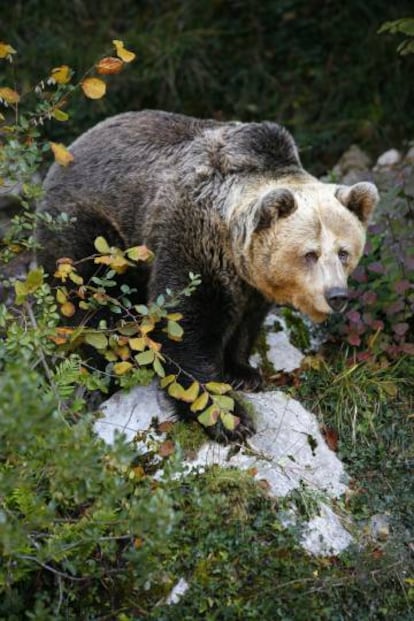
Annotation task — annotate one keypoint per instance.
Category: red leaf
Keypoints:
(353, 316)
(400, 328)
(369, 297)
(376, 267)
(165, 426)
(331, 437)
(353, 339)
(402, 285)
(167, 448)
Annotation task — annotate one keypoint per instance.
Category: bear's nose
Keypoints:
(337, 298)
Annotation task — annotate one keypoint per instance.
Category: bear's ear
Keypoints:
(360, 198)
(275, 204)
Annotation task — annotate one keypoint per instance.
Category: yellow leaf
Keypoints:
(61, 75)
(175, 390)
(139, 253)
(9, 96)
(6, 50)
(61, 296)
(59, 115)
(147, 325)
(191, 393)
(122, 367)
(94, 88)
(117, 262)
(200, 403)
(68, 309)
(137, 344)
(63, 335)
(109, 65)
(122, 352)
(174, 316)
(124, 54)
(63, 271)
(62, 155)
(218, 388)
(167, 380)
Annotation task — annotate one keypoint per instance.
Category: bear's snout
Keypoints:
(337, 298)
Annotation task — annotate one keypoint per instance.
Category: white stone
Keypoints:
(281, 353)
(388, 159)
(132, 412)
(324, 534)
(287, 450)
(177, 592)
(409, 156)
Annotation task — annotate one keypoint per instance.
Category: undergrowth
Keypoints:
(92, 531)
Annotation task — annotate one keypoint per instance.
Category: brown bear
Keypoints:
(229, 201)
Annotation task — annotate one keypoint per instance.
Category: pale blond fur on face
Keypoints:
(304, 254)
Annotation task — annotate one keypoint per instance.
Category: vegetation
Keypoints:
(92, 531)
(318, 67)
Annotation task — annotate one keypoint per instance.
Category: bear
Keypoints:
(229, 201)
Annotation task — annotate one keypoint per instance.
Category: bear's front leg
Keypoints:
(238, 372)
(200, 354)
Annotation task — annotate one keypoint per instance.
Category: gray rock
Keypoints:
(281, 353)
(352, 160)
(388, 159)
(380, 526)
(409, 156)
(325, 534)
(287, 451)
(177, 592)
(132, 412)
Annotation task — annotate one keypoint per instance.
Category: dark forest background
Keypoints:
(318, 66)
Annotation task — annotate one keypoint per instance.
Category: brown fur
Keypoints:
(229, 201)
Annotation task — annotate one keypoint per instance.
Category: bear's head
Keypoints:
(300, 240)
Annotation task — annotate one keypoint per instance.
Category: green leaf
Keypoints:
(34, 279)
(96, 340)
(24, 288)
(145, 357)
(21, 291)
(218, 388)
(224, 402)
(142, 309)
(175, 331)
(158, 368)
(129, 329)
(229, 420)
(209, 417)
(101, 245)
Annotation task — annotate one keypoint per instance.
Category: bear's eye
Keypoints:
(343, 256)
(311, 257)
